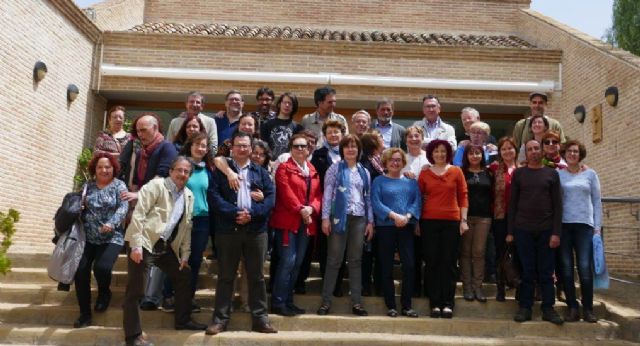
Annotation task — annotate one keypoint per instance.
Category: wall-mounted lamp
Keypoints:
(579, 113)
(611, 95)
(39, 71)
(72, 92)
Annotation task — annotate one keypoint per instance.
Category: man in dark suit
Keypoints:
(241, 225)
(392, 133)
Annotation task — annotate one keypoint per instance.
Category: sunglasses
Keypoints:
(299, 146)
(551, 142)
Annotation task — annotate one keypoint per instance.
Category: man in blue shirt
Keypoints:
(392, 133)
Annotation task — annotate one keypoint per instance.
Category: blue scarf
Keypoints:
(341, 200)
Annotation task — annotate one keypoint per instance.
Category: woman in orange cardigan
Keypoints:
(443, 221)
(294, 219)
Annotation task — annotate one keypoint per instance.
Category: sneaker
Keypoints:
(168, 305)
(523, 314)
(550, 315)
(572, 315)
(435, 313)
(447, 312)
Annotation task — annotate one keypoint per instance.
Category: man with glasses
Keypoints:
(538, 106)
(432, 124)
(227, 122)
(241, 231)
(264, 101)
(160, 234)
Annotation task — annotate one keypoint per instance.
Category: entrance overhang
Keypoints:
(326, 78)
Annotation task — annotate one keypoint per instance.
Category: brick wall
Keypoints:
(118, 14)
(588, 68)
(408, 15)
(380, 59)
(41, 134)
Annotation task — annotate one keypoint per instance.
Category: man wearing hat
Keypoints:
(538, 105)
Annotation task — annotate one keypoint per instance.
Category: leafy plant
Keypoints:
(7, 229)
(82, 174)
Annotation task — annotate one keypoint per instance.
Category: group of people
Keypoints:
(258, 183)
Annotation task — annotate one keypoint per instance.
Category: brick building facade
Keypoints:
(147, 54)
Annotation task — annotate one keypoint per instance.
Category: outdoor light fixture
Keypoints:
(611, 95)
(72, 92)
(39, 71)
(579, 113)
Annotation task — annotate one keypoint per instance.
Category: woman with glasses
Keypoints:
(347, 219)
(396, 205)
(294, 218)
(551, 149)
(581, 219)
(277, 131)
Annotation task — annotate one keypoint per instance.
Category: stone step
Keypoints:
(458, 326)
(33, 294)
(45, 335)
(119, 279)
(41, 260)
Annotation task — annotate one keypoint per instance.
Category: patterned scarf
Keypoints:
(145, 154)
(376, 163)
(341, 193)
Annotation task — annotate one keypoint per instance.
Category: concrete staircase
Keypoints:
(32, 311)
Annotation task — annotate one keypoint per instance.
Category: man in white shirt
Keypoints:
(432, 124)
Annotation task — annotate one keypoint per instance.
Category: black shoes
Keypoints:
(323, 310)
(191, 325)
(283, 311)
(409, 313)
(435, 313)
(82, 321)
(479, 295)
(501, 294)
(447, 312)
(296, 309)
(102, 302)
(148, 306)
(589, 316)
(572, 315)
(358, 310)
(550, 315)
(522, 315)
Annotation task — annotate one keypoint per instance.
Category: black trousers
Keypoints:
(102, 257)
(180, 279)
(440, 245)
(231, 247)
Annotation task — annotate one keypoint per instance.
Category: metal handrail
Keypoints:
(620, 199)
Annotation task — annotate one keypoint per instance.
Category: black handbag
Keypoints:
(69, 211)
(508, 268)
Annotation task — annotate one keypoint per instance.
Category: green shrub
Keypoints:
(7, 229)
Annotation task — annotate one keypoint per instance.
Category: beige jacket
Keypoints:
(151, 215)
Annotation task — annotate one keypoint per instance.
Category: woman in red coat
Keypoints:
(298, 196)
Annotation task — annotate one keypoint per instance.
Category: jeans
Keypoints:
(103, 257)
(533, 249)
(577, 237)
(352, 240)
(440, 245)
(291, 258)
(199, 239)
(388, 238)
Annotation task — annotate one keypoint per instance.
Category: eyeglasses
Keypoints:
(395, 160)
(300, 146)
(550, 142)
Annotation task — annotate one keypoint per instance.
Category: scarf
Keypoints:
(145, 154)
(554, 163)
(376, 163)
(341, 196)
(333, 151)
(499, 191)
